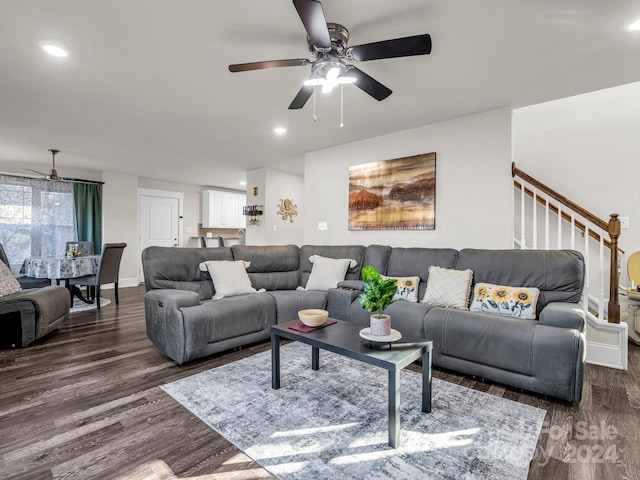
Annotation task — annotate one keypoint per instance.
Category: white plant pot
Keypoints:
(380, 326)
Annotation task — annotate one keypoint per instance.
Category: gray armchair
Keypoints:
(108, 271)
(32, 313)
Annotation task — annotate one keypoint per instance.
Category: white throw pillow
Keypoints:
(503, 300)
(229, 277)
(448, 288)
(407, 288)
(327, 272)
(8, 283)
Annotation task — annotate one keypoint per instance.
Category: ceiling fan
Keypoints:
(53, 173)
(328, 44)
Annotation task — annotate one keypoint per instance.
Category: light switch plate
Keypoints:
(624, 222)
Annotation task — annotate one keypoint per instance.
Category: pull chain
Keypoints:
(341, 103)
(314, 104)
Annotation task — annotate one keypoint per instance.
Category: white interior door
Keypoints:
(159, 223)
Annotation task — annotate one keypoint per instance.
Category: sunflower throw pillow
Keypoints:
(407, 288)
(502, 300)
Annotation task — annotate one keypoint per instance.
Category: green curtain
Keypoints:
(88, 205)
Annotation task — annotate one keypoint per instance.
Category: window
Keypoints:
(36, 217)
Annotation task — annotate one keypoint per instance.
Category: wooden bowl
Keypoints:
(313, 317)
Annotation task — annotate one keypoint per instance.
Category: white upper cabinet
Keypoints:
(222, 209)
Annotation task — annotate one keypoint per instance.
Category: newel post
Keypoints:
(614, 275)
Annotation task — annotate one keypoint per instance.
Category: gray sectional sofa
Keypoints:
(544, 355)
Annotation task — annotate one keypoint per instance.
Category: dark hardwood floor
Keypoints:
(85, 403)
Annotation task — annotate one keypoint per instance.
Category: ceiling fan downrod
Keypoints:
(53, 175)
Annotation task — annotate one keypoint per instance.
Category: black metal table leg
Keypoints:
(426, 382)
(315, 358)
(394, 408)
(275, 361)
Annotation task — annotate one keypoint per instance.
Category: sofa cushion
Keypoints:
(8, 283)
(355, 252)
(290, 302)
(558, 274)
(327, 272)
(501, 342)
(405, 262)
(229, 277)
(448, 287)
(218, 320)
(179, 268)
(504, 300)
(273, 267)
(407, 288)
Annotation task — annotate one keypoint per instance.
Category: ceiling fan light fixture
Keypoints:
(347, 80)
(55, 50)
(314, 82)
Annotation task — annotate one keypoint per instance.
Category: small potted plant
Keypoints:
(378, 295)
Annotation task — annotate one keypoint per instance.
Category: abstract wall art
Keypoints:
(398, 194)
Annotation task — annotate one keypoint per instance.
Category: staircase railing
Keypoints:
(580, 220)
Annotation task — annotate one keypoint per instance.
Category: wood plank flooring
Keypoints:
(85, 403)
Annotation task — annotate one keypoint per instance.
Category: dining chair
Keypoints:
(84, 247)
(108, 271)
(24, 281)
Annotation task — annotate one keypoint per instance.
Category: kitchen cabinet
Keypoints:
(222, 209)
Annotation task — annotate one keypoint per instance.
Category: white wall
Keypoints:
(120, 221)
(274, 186)
(586, 147)
(473, 184)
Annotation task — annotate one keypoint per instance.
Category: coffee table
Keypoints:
(343, 338)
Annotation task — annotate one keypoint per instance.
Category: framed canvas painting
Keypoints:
(398, 194)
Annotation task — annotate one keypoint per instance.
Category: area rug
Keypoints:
(332, 423)
(80, 306)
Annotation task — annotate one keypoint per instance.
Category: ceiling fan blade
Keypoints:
(369, 84)
(36, 171)
(398, 47)
(245, 67)
(315, 24)
(301, 98)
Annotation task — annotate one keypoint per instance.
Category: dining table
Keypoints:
(62, 268)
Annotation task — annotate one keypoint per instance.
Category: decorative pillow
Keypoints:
(327, 272)
(407, 288)
(8, 283)
(509, 301)
(448, 288)
(229, 278)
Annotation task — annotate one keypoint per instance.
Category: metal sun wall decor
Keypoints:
(398, 194)
(287, 209)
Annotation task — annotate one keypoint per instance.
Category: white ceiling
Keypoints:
(146, 90)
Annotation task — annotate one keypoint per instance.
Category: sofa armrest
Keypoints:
(174, 298)
(165, 321)
(352, 285)
(339, 302)
(564, 315)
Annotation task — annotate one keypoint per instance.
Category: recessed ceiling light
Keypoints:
(279, 130)
(55, 50)
(243, 183)
(635, 25)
